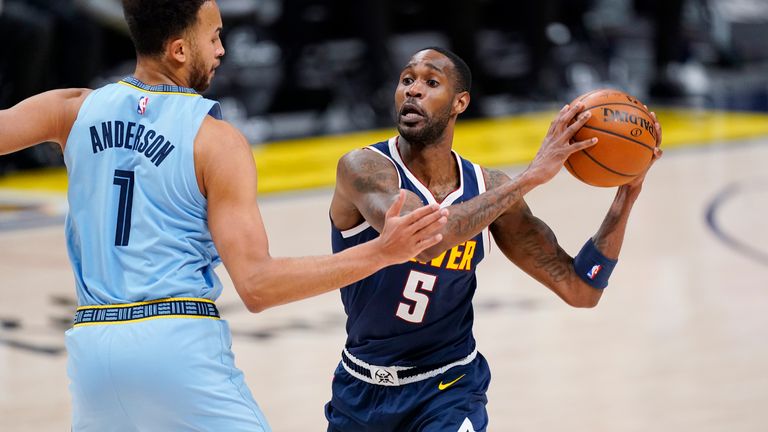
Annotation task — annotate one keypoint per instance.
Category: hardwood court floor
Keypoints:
(678, 342)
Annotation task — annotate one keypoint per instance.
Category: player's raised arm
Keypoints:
(366, 183)
(529, 243)
(225, 164)
(45, 117)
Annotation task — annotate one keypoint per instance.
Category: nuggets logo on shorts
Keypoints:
(142, 107)
(384, 377)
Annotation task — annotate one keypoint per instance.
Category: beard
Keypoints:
(433, 127)
(199, 76)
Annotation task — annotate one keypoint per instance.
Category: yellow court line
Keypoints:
(508, 141)
(311, 162)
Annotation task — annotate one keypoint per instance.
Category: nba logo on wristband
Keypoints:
(592, 266)
(594, 271)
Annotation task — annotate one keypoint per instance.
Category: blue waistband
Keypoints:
(132, 312)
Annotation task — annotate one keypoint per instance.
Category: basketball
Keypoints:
(626, 139)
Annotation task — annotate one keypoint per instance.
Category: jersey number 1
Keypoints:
(124, 179)
(417, 281)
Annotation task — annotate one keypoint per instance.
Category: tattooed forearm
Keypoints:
(479, 213)
(469, 218)
(496, 178)
(541, 247)
(474, 215)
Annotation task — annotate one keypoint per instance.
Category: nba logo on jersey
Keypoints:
(594, 271)
(143, 102)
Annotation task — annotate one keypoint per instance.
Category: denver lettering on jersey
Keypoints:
(458, 257)
(117, 134)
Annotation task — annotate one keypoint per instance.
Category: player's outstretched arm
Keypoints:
(225, 164)
(530, 243)
(41, 118)
(367, 183)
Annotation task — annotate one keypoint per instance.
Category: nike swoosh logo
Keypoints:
(442, 386)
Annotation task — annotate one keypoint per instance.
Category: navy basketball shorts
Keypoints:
(453, 401)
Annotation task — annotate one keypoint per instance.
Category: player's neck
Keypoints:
(431, 163)
(155, 72)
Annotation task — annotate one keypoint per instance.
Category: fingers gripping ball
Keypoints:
(626, 139)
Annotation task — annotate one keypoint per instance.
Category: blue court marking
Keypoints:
(717, 203)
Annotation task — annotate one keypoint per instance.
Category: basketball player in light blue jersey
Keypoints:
(160, 191)
(410, 362)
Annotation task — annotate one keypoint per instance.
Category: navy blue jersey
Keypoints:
(415, 313)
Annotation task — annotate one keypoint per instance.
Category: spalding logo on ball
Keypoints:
(626, 139)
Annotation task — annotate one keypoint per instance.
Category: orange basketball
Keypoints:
(626, 139)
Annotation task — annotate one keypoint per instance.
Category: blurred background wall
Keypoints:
(297, 68)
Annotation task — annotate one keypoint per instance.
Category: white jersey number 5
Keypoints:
(417, 281)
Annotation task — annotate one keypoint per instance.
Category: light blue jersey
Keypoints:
(137, 228)
(148, 351)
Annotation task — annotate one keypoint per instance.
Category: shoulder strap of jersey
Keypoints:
(383, 148)
(481, 188)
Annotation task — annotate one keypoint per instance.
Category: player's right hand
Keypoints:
(404, 237)
(636, 184)
(557, 145)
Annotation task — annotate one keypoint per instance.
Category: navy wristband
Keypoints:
(592, 266)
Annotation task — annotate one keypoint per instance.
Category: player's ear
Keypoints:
(461, 102)
(177, 50)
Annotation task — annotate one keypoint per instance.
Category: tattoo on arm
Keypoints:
(495, 178)
(476, 214)
(369, 183)
(373, 177)
(473, 216)
(539, 245)
(366, 185)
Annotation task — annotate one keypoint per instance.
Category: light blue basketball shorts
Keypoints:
(167, 374)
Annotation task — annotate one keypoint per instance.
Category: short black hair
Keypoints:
(152, 22)
(463, 74)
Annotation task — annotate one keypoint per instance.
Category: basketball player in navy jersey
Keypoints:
(160, 191)
(410, 362)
